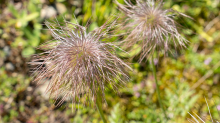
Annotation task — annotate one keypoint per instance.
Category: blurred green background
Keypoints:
(186, 79)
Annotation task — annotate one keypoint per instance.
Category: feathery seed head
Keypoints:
(78, 63)
(151, 26)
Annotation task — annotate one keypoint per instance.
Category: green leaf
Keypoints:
(28, 51)
(13, 10)
(93, 26)
(32, 16)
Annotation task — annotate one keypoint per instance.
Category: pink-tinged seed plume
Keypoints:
(77, 63)
(150, 26)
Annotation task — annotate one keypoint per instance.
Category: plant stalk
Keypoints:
(99, 106)
(157, 88)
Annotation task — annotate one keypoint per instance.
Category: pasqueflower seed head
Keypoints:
(150, 26)
(77, 63)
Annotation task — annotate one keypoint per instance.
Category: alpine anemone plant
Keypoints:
(78, 63)
(151, 27)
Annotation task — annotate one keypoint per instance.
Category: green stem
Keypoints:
(99, 106)
(157, 88)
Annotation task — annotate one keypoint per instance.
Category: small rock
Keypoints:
(7, 50)
(18, 60)
(60, 8)
(2, 43)
(42, 89)
(9, 66)
(48, 11)
(29, 89)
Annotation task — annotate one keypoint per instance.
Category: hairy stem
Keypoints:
(157, 88)
(99, 106)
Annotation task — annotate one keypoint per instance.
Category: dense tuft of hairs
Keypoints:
(77, 63)
(150, 26)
